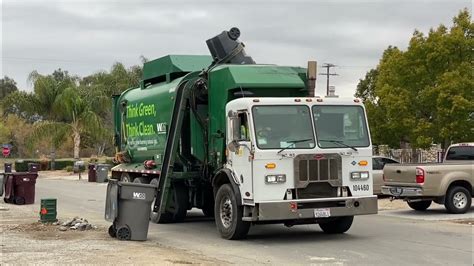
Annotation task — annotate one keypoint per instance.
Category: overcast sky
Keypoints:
(84, 36)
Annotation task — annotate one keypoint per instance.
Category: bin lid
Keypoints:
(79, 163)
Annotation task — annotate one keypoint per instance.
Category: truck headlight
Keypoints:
(359, 175)
(275, 179)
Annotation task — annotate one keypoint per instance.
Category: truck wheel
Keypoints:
(419, 205)
(125, 177)
(228, 215)
(140, 180)
(337, 226)
(179, 206)
(458, 200)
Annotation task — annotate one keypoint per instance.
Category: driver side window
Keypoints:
(243, 127)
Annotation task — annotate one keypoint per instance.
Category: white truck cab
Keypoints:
(300, 160)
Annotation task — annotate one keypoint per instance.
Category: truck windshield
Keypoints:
(283, 127)
(339, 126)
(460, 153)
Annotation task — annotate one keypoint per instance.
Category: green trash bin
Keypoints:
(48, 210)
(128, 207)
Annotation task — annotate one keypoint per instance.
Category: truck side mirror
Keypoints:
(233, 146)
(234, 125)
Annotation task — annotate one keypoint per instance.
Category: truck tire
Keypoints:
(228, 215)
(419, 205)
(458, 200)
(125, 177)
(140, 180)
(339, 225)
(179, 205)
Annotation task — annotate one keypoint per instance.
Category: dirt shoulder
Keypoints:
(23, 240)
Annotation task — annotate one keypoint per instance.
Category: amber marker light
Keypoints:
(270, 165)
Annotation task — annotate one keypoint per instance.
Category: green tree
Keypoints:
(7, 86)
(424, 94)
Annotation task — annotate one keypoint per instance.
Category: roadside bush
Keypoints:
(69, 168)
(22, 165)
(63, 163)
(45, 164)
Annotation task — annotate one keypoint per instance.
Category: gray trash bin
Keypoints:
(128, 207)
(102, 172)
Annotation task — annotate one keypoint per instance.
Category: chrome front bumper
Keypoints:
(306, 208)
(400, 192)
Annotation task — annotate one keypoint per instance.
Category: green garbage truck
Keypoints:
(246, 143)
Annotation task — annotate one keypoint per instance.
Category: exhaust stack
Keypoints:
(311, 76)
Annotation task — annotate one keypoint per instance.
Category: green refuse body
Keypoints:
(48, 210)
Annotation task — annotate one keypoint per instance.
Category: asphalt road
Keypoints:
(383, 239)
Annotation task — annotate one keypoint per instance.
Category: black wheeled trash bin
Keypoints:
(33, 167)
(20, 188)
(128, 207)
(91, 173)
(7, 167)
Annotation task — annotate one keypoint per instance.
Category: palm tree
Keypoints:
(73, 118)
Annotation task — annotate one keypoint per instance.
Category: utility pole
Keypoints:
(328, 66)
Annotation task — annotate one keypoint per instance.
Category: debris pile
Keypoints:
(76, 223)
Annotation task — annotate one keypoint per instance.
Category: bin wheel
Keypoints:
(7, 200)
(123, 233)
(19, 200)
(112, 231)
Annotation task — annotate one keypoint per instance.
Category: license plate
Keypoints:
(322, 213)
(396, 191)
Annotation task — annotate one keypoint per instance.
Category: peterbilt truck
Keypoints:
(245, 143)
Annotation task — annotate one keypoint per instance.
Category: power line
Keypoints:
(328, 67)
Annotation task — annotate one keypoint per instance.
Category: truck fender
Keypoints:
(455, 177)
(225, 176)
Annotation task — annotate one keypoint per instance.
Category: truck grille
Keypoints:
(309, 168)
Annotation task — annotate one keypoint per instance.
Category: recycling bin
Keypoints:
(102, 172)
(128, 207)
(92, 173)
(7, 167)
(33, 167)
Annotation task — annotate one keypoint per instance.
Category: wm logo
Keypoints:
(139, 195)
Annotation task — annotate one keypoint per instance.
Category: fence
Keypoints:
(408, 155)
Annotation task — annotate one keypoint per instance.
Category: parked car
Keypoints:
(449, 183)
(378, 162)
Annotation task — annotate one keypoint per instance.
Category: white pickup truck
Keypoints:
(449, 183)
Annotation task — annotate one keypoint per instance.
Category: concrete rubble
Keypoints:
(76, 223)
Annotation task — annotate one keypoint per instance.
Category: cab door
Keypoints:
(241, 158)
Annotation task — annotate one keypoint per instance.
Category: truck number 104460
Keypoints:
(360, 187)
